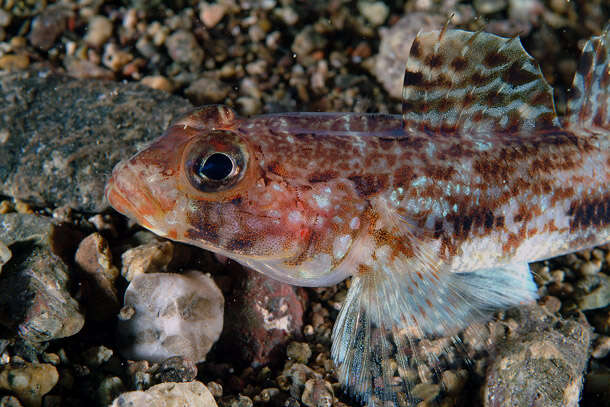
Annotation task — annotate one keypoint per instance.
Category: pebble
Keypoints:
(601, 347)
(30, 381)
(44, 309)
(176, 369)
(317, 393)
(207, 91)
(211, 14)
(307, 41)
(264, 315)
(99, 31)
(99, 275)
(394, 48)
(543, 360)
(108, 389)
(168, 395)
(375, 12)
(298, 351)
(5, 18)
(84, 69)
(183, 48)
(49, 26)
(175, 315)
(11, 62)
(593, 292)
(489, 6)
(115, 58)
(97, 355)
(157, 82)
(153, 257)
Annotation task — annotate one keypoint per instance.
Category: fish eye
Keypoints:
(215, 161)
(216, 167)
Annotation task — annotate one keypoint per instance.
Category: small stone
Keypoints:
(10, 401)
(152, 257)
(551, 304)
(489, 6)
(317, 393)
(168, 395)
(215, 388)
(94, 259)
(115, 58)
(81, 68)
(426, 391)
(298, 351)
(157, 82)
(175, 315)
(49, 26)
(601, 347)
(395, 46)
(5, 18)
(207, 90)
(264, 315)
(241, 401)
(99, 31)
(307, 41)
(12, 62)
(590, 267)
(211, 14)
(97, 355)
(183, 48)
(30, 382)
(44, 309)
(109, 388)
(375, 12)
(454, 381)
(593, 292)
(177, 369)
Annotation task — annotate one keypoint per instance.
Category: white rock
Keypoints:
(174, 315)
(168, 395)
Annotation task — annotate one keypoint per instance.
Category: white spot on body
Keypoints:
(354, 223)
(340, 246)
(321, 201)
(295, 217)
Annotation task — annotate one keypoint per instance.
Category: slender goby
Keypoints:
(435, 214)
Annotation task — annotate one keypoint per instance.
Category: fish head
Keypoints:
(206, 181)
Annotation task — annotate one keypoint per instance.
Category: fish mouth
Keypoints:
(129, 197)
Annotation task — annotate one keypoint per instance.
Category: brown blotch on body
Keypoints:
(458, 64)
(516, 75)
(434, 60)
(589, 212)
(322, 176)
(368, 185)
(413, 79)
(415, 48)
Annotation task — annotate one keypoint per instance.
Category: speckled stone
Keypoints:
(34, 297)
(265, 314)
(49, 25)
(543, 360)
(63, 153)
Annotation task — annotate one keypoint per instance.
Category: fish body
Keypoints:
(434, 213)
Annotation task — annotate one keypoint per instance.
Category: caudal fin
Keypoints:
(589, 99)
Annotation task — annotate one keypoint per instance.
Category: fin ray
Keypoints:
(589, 98)
(400, 299)
(466, 82)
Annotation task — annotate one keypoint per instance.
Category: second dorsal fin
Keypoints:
(474, 82)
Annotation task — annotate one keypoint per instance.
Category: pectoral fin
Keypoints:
(392, 307)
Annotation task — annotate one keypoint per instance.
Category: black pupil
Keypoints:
(217, 167)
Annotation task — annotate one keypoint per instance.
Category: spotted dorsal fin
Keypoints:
(589, 101)
(461, 81)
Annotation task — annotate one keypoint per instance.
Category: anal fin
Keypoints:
(391, 308)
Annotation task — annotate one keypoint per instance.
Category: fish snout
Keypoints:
(128, 195)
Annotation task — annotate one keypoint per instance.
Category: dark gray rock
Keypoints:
(542, 362)
(60, 137)
(34, 297)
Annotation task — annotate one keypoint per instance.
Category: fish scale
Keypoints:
(435, 213)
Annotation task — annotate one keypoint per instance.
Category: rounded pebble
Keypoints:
(99, 31)
(29, 382)
(183, 48)
(168, 395)
(175, 315)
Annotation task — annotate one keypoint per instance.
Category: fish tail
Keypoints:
(589, 97)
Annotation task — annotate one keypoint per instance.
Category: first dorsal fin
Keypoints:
(461, 81)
